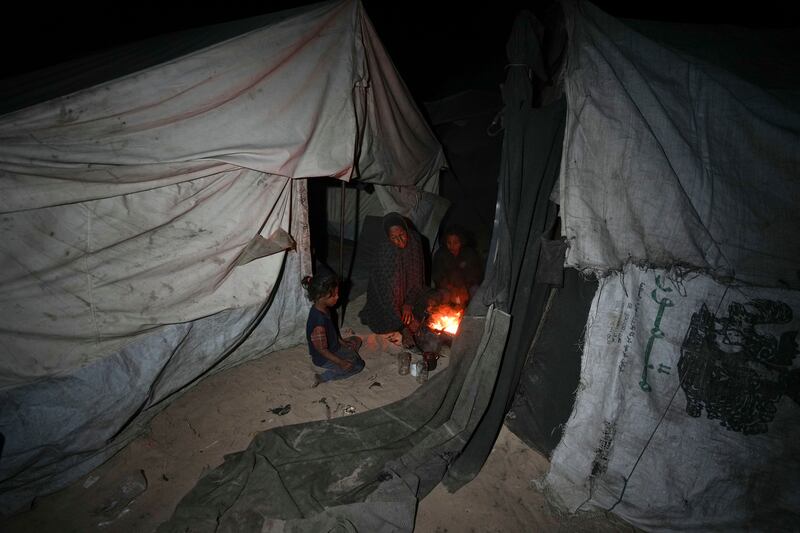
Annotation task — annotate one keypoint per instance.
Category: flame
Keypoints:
(446, 318)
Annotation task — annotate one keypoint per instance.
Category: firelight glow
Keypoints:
(446, 319)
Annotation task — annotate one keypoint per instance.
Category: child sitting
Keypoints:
(337, 357)
(457, 268)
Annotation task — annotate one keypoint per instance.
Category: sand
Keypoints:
(140, 486)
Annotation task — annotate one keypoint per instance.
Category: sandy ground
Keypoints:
(139, 487)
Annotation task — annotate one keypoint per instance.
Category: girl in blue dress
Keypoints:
(336, 358)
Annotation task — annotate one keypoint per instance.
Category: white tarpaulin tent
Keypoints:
(146, 221)
(679, 186)
(669, 159)
(686, 414)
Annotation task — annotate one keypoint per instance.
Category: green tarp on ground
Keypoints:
(359, 473)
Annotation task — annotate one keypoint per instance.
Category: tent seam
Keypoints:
(88, 274)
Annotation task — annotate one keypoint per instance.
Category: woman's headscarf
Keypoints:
(393, 219)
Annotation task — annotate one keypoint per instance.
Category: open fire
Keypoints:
(445, 318)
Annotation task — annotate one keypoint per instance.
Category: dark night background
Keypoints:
(438, 47)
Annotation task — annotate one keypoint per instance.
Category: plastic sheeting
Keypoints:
(60, 427)
(686, 417)
(670, 160)
(363, 472)
(126, 205)
(528, 171)
(80, 281)
(143, 224)
(546, 394)
(305, 97)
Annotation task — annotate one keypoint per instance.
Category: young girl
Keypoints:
(337, 357)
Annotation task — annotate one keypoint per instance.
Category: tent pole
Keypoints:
(341, 235)
(341, 243)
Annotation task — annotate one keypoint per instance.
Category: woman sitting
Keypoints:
(396, 281)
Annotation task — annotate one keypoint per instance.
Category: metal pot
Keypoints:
(430, 341)
(430, 359)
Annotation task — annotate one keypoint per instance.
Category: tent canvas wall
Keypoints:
(155, 226)
(678, 188)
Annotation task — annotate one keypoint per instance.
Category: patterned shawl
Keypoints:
(396, 277)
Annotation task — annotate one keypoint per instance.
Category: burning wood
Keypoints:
(445, 318)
